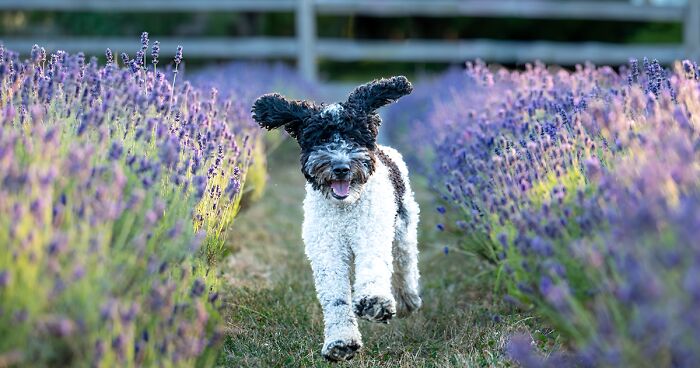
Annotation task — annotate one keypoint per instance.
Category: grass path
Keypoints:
(273, 319)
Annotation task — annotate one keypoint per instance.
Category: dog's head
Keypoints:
(338, 141)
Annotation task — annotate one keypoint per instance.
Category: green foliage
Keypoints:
(256, 177)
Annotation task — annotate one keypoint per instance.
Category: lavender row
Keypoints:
(582, 189)
(118, 185)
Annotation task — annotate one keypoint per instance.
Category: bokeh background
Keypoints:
(350, 41)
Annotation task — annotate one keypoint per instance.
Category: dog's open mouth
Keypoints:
(341, 188)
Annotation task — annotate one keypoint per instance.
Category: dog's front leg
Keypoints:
(373, 298)
(330, 263)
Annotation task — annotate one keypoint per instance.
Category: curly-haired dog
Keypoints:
(359, 207)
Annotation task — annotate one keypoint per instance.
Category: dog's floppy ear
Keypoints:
(373, 95)
(273, 110)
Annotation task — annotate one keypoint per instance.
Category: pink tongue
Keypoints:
(341, 188)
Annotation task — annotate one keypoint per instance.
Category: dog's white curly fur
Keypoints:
(359, 209)
(383, 245)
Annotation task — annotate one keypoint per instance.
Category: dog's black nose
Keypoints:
(341, 169)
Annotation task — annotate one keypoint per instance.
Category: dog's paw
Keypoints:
(407, 303)
(340, 350)
(375, 308)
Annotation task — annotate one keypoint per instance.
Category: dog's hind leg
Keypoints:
(330, 264)
(405, 277)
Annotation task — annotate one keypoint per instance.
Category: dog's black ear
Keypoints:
(273, 110)
(373, 95)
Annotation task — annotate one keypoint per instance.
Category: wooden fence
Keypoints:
(307, 48)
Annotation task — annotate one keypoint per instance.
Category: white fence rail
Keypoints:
(307, 48)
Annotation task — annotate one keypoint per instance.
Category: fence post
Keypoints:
(306, 38)
(691, 30)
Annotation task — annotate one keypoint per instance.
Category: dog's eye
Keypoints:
(325, 139)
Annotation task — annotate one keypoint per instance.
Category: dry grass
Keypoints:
(273, 318)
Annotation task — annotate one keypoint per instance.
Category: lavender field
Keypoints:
(146, 221)
(118, 184)
(581, 190)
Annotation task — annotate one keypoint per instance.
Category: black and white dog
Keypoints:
(359, 207)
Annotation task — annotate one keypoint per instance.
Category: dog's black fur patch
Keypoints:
(373, 95)
(396, 182)
(273, 110)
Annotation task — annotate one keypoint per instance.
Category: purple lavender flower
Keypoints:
(634, 75)
(125, 58)
(520, 348)
(134, 65)
(178, 56)
(144, 41)
(139, 59)
(197, 288)
(109, 56)
(4, 278)
(115, 151)
(200, 184)
(155, 51)
(233, 187)
(36, 54)
(170, 152)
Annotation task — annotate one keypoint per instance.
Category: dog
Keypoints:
(359, 209)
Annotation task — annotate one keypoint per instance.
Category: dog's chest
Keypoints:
(375, 210)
